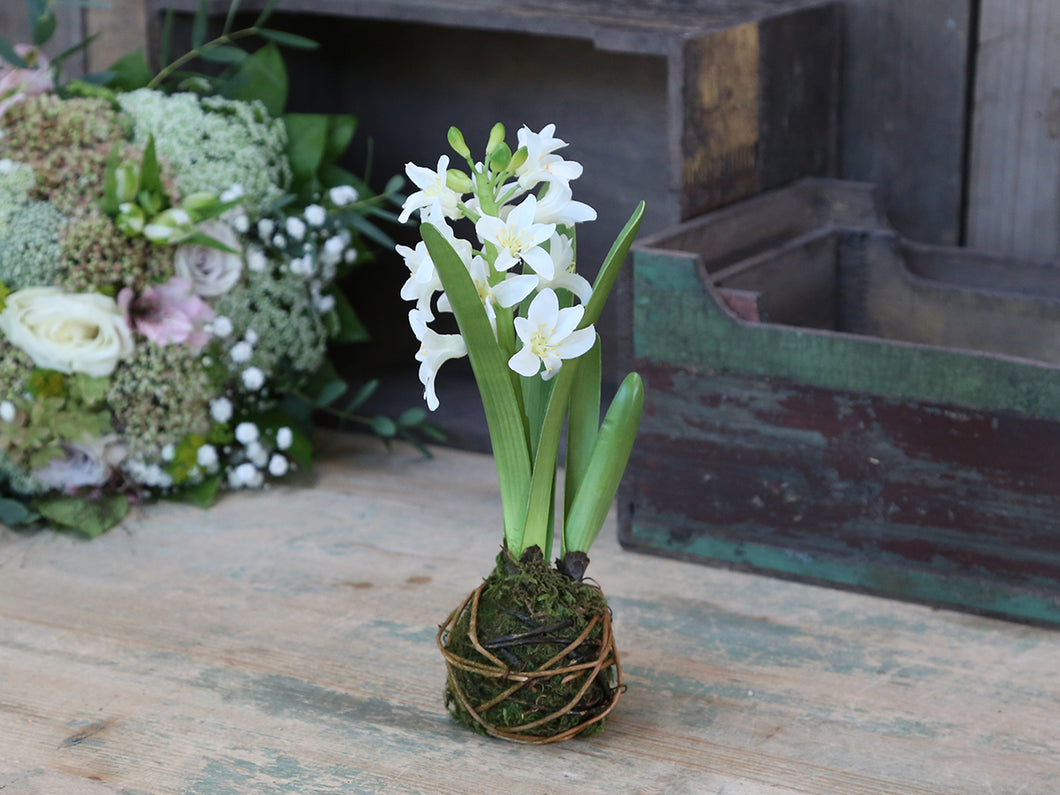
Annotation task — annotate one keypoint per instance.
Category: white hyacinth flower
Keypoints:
(549, 335)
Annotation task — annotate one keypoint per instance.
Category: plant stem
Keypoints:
(227, 38)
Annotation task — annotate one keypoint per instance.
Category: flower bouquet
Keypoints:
(529, 652)
(169, 250)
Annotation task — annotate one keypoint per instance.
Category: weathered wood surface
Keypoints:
(905, 85)
(284, 643)
(639, 90)
(885, 431)
(1014, 204)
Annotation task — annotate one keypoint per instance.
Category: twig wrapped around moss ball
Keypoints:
(531, 656)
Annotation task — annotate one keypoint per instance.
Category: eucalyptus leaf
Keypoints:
(266, 12)
(222, 53)
(384, 426)
(331, 392)
(230, 17)
(90, 518)
(200, 24)
(363, 394)
(288, 39)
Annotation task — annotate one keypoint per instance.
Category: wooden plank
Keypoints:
(122, 28)
(904, 98)
(283, 642)
(1014, 203)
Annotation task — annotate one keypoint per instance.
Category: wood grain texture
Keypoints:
(284, 643)
(905, 83)
(879, 429)
(1014, 198)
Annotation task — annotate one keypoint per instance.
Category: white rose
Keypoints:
(68, 332)
(211, 271)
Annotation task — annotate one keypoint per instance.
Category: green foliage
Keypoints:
(89, 518)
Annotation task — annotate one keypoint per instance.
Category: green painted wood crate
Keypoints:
(829, 402)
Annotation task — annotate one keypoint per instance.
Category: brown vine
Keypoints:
(604, 666)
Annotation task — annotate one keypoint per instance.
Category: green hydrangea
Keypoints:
(16, 181)
(66, 143)
(96, 255)
(213, 143)
(158, 397)
(31, 252)
(15, 367)
(291, 338)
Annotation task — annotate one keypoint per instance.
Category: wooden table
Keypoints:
(284, 643)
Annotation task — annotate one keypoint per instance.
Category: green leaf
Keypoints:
(150, 169)
(230, 17)
(165, 43)
(59, 59)
(90, 518)
(7, 52)
(504, 415)
(350, 329)
(331, 392)
(223, 53)
(368, 229)
(341, 127)
(13, 512)
(44, 27)
(384, 427)
(266, 12)
(261, 75)
(203, 494)
(363, 394)
(583, 423)
(307, 137)
(614, 443)
(199, 25)
(130, 72)
(412, 417)
(605, 279)
(288, 39)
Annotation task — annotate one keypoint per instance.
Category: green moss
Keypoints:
(528, 614)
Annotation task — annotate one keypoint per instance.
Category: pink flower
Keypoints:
(17, 84)
(169, 314)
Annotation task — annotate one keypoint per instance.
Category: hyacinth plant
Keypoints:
(170, 250)
(526, 321)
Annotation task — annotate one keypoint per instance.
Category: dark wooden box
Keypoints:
(830, 402)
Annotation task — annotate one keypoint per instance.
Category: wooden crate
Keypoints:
(830, 402)
(686, 105)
